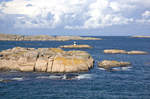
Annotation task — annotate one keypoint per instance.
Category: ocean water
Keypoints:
(123, 83)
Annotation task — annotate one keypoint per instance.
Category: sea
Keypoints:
(131, 82)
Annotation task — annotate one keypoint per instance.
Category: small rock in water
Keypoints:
(108, 64)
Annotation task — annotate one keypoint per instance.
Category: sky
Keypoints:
(75, 17)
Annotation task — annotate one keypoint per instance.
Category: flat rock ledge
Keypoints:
(76, 46)
(108, 64)
(118, 51)
(53, 60)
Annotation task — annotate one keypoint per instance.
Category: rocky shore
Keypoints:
(53, 60)
(10, 37)
(118, 51)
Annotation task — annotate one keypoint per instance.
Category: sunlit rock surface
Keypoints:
(45, 60)
(108, 64)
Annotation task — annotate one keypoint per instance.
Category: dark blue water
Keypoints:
(129, 83)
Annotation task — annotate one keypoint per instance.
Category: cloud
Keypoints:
(145, 18)
(146, 14)
(72, 14)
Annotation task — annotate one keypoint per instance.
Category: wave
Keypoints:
(18, 79)
(102, 68)
(83, 76)
(51, 77)
(67, 77)
(118, 68)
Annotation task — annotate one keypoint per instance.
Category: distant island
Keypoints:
(12, 37)
(141, 36)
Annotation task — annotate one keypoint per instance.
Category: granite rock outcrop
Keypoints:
(53, 60)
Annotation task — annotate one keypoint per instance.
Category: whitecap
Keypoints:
(126, 68)
(83, 76)
(116, 69)
(42, 77)
(18, 79)
(56, 77)
(102, 68)
(49, 77)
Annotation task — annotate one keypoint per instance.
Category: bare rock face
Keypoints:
(45, 60)
(107, 64)
(117, 51)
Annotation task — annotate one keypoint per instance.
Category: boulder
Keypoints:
(107, 64)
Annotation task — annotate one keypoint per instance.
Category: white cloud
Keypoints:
(72, 14)
(145, 18)
(146, 14)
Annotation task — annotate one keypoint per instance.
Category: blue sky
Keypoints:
(75, 17)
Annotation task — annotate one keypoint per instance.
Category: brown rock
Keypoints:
(107, 64)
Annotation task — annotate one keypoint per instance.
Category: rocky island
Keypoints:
(141, 36)
(52, 60)
(76, 46)
(108, 64)
(10, 37)
(118, 51)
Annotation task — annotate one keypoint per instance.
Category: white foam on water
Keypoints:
(83, 76)
(121, 68)
(49, 77)
(17, 78)
(55, 77)
(102, 68)
(1, 79)
(126, 68)
(64, 77)
(42, 77)
(116, 68)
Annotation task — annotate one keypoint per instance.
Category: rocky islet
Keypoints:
(118, 51)
(108, 64)
(53, 60)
